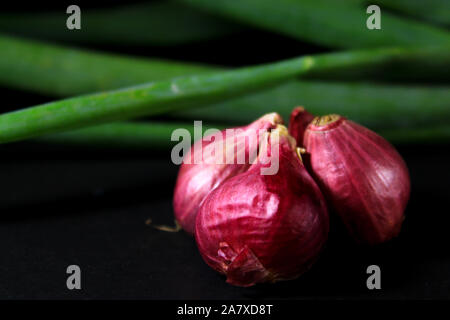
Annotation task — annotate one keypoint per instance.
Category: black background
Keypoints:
(61, 206)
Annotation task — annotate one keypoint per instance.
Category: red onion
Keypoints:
(199, 177)
(264, 228)
(364, 178)
(300, 119)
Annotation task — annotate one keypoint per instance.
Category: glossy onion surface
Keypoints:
(196, 180)
(362, 175)
(264, 228)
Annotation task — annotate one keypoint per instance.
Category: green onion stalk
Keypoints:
(183, 93)
(61, 71)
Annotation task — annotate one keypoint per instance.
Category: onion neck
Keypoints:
(327, 122)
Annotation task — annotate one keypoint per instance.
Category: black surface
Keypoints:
(101, 227)
(88, 207)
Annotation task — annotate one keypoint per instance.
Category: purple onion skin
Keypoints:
(196, 180)
(364, 178)
(298, 122)
(264, 228)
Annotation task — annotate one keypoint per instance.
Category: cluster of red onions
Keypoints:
(256, 228)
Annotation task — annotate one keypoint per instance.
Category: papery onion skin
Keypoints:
(196, 180)
(361, 174)
(264, 228)
(298, 122)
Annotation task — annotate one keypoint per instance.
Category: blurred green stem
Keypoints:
(326, 22)
(163, 96)
(56, 70)
(435, 11)
(162, 23)
(158, 135)
(124, 135)
(63, 71)
(182, 93)
(374, 105)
